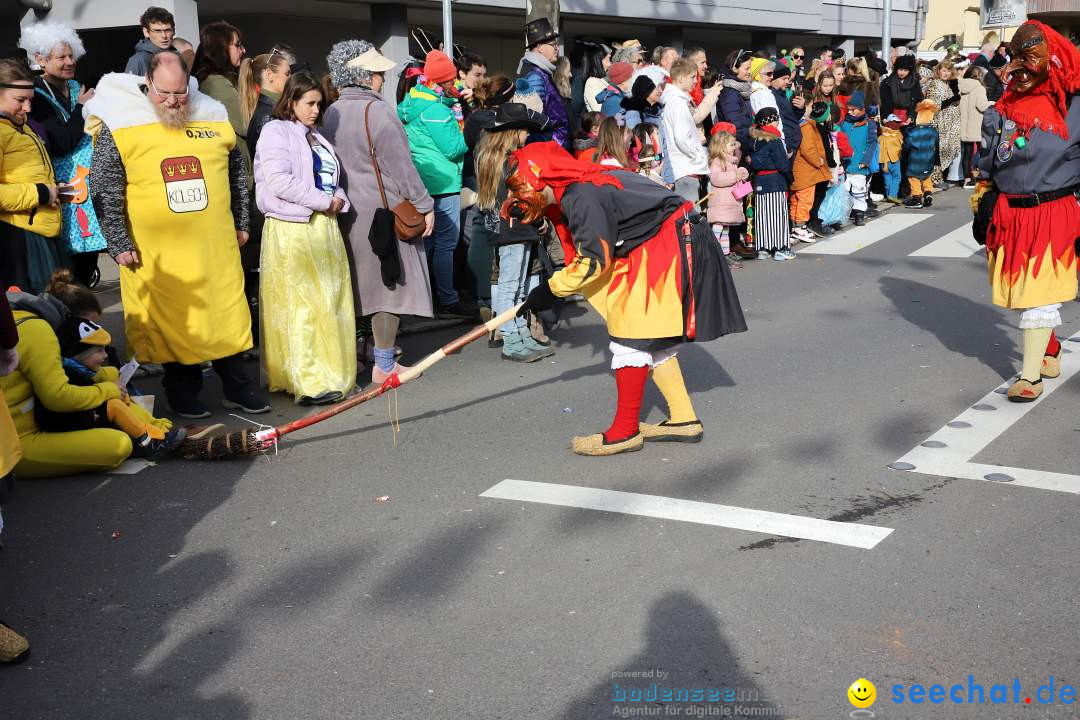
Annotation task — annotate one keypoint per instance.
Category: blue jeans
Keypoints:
(891, 174)
(514, 284)
(440, 247)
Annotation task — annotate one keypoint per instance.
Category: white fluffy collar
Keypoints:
(119, 102)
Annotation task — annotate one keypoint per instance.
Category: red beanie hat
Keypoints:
(620, 72)
(722, 127)
(438, 68)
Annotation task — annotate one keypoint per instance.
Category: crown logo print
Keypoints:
(194, 167)
(170, 170)
(183, 170)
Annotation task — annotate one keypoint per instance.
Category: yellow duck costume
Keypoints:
(185, 302)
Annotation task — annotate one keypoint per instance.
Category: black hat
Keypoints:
(876, 64)
(78, 335)
(539, 31)
(766, 115)
(642, 87)
(509, 116)
(780, 68)
(905, 62)
(820, 111)
(998, 61)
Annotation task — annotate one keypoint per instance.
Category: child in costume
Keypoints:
(862, 135)
(646, 152)
(725, 210)
(772, 176)
(1026, 200)
(891, 144)
(648, 264)
(82, 347)
(921, 146)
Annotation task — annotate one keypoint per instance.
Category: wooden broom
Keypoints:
(238, 443)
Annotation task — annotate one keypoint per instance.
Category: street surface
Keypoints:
(362, 574)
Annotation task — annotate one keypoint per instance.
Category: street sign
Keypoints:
(1002, 13)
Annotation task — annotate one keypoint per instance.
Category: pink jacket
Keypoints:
(285, 173)
(723, 207)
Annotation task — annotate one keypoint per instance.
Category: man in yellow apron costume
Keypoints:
(170, 190)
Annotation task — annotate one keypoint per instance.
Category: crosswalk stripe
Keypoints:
(761, 521)
(957, 244)
(858, 238)
(949, 451)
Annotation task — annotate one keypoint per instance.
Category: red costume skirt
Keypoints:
(1031, 253)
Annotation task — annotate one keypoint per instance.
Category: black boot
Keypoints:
(858, 217)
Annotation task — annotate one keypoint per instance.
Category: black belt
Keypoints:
(1036, 199)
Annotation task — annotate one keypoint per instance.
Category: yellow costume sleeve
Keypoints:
(107, 373)
(39, 359)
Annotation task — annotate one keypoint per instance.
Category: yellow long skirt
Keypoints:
(306, 308)
(10, 447)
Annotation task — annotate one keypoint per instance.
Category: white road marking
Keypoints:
(130, 467)
(949, 451)
(857, 238)
(761, 521)
(957, 244)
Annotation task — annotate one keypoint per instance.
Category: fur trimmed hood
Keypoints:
(119, 102)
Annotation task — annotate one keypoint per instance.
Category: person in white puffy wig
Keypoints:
(57, 108)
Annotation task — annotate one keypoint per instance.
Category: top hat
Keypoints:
(539, 31)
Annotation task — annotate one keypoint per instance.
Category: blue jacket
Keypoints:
(767, 154)
(540, 82)
(864, 143)
(734, 108)
(610, 99)
(921, 145)
(790, 120)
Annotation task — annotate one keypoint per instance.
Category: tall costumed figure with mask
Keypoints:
(1026, 208)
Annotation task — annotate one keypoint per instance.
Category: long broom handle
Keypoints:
(448, 349)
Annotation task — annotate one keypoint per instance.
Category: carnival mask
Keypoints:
(1030, 64)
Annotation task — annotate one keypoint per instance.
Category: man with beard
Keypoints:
(1030, 215)
(170, 190)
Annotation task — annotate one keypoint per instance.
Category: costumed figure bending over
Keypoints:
(648, 263)
(1026, 204)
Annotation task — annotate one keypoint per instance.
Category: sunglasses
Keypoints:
(798, 57)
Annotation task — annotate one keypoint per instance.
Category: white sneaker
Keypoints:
(876, 198)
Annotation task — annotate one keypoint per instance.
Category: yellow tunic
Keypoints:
(185, 303)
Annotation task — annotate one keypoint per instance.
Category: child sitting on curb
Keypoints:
(82, 349)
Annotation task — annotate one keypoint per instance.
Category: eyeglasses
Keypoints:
(162, 31)
(178, 96)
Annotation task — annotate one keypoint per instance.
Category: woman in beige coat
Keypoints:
(973, 103)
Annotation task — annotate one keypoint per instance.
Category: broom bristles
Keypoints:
(238, 443)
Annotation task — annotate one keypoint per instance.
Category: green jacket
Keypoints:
(435, 139)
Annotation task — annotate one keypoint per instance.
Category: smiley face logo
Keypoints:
(862, 693)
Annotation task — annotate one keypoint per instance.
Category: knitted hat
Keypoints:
(438, 68)
(78, 335)
(857, 100)
(765, 116)
(755, 66)
(620, 72)
(820, 111)
(781, 69)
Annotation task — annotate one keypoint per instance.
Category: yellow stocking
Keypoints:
(668, 377)
(124, 417)
(1035, 340)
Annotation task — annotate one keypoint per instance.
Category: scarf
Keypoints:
(1044, 106)
(455, 108)
(697, 93)
(771, 130)
(538, 60)
(743, 88)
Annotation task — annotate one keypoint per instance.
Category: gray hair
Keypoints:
(340, 54)
(44, 37)
(626, 54)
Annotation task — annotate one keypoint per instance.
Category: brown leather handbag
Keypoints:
(408, 221)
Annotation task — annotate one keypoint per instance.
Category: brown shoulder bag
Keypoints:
(408, 221)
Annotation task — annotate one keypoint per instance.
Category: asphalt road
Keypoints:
(283, 588)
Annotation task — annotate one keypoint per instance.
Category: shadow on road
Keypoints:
(975, 330)
(685, 641)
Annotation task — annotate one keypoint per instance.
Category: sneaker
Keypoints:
(915, 201)
(894, 200)
(188, 407)
(250, 402)
(515, 350)
(460, 309)
(783, 255)
(874, 197)
(801, 234)
(822, 231)
(158, 449)
(927, 201)
(762, 254)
